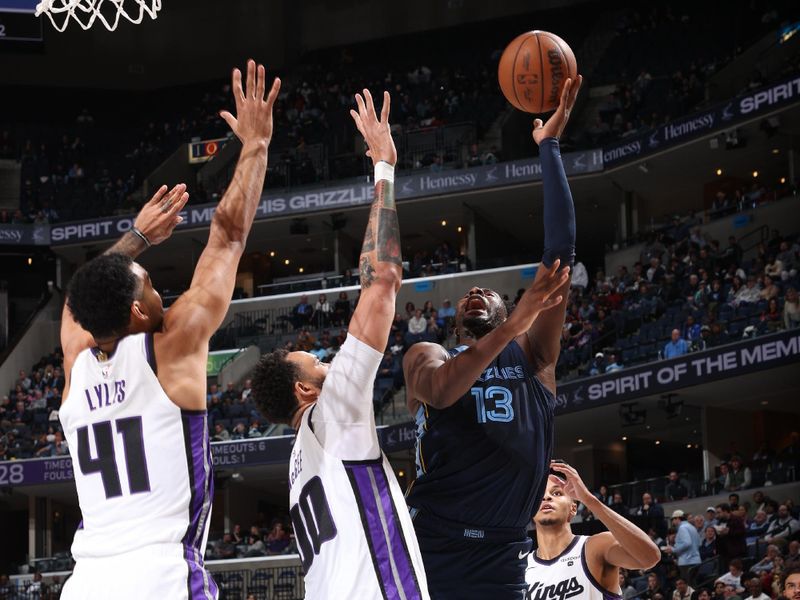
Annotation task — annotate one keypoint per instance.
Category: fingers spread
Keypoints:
(178, 206)
(158, 195)
(385, 108)
(565, 91)
(370, 103)
(236, 84)
(229, 119)
(261, 82)
(362, 109)
(273, 92)
(251, 79)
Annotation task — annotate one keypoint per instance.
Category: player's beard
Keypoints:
(479, 326)
(549, 522)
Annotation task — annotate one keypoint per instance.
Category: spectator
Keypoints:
(277, 539)
(301, 313)
(652, 512)
(782, 528)
(683, 591)
(627, 591)
(255, 546)
(755, 590)
(731, 534)
(791, 309)
(768, 563)
(734, 576)
(447, 311)
(341, 309)
(654, 589)
(739, 476)
(687, 544)
(417, 326)
(711, 517)
(318, 351)
(220, 433)
(321, 317)
(618, 506)
(757, 528)
(226, 548)
(675, 489)
(613, 364)
(677, 346)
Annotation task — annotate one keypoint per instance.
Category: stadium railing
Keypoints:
(266, 578)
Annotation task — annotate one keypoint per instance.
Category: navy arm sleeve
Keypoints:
(559, 210)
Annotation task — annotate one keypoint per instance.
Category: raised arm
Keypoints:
(544, 337)
(623, 545)
(380, 263)
(200, 310)
(435, 379)
(154, 224)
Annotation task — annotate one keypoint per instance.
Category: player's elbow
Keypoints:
(650, 557)
(389, 277)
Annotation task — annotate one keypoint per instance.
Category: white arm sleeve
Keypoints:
(343, 419)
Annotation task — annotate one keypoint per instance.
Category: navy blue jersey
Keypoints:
(483, 462)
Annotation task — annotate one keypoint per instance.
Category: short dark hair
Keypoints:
(273, 386)
(724, 507)
(793, 570)
(100, 295)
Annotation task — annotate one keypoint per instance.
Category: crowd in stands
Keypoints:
(660, 73)
(735, 549)
(686, 293)
(259, 540)
(91, 164)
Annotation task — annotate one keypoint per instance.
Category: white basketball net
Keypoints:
(85, 12)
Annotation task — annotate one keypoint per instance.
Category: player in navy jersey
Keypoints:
(577, 566)
(484, 411)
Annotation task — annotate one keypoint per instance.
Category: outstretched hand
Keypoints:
(539, 297)
(376, 132)
(253, 120)
(554, 126)
(159, 217)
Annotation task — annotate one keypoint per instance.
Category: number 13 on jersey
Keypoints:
(500, 397)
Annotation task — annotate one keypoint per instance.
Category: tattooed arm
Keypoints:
(380, 263)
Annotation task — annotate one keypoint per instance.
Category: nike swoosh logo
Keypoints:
(522, 554)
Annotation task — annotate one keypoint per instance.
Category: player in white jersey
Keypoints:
(353, 530)
(134, 408)
(575, 566)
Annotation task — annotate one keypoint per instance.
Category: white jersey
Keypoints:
(142, 465)
(565, 576)
(350, 520)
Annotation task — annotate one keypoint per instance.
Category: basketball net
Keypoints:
(85, 12)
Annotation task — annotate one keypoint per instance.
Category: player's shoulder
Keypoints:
(595, 546)
(423, 352)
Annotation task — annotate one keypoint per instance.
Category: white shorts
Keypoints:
(161, 572)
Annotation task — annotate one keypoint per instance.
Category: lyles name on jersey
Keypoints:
(105, 394)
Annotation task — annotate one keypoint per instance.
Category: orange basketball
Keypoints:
(533, 69)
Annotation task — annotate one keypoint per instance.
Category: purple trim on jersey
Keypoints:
(200, 584)
(383, 530)
(551, 561)
(606, 594)
(150, 353)
(80, 526)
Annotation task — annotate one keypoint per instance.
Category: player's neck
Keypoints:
(553, 541)
(298, 416)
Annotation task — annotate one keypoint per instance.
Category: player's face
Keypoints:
(480, 310)
(556, 508)
(791, 589)
(149, 301)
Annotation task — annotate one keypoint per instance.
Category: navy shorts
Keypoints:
(472, 568)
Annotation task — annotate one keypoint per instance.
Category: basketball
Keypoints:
(533, 69)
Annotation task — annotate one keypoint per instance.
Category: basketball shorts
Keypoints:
(472, 569)
(160, 572)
